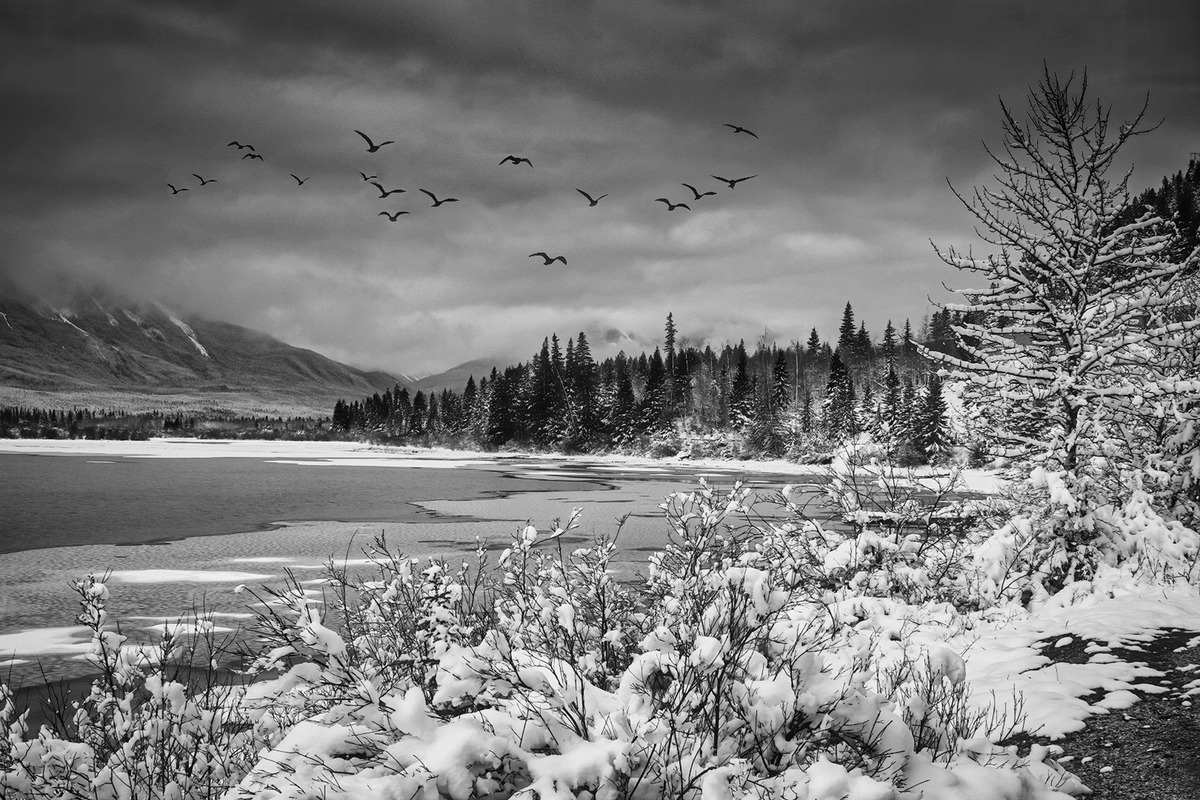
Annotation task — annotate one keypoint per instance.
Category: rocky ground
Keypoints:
(1150, 751)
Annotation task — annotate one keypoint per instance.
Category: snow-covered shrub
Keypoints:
(908, 539)
(568, 606)
(140, 733)
(1041, 540)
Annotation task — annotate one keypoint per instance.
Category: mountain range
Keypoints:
(101, 352)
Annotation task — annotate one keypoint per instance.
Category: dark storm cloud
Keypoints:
(863, 110)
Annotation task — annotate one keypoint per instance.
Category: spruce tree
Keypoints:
(741, 401)
(651, 409)
(814, 344)
(862, 344)
(583, 389)
(780, 393)
(622, 424)
(841, 422)
(671, 367)
(931, 419)
(888, 347)
(890, 405)
(847, 335)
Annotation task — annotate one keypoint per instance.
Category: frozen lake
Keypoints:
(181, 523)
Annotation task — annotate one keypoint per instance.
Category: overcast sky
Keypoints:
(863, 111)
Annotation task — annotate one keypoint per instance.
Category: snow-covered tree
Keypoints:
(841, 420)
(1080, 312)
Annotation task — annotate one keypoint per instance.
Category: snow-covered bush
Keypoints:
(738, 670)
(910, 538)
(141, 732)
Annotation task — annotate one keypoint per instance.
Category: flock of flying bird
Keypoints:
(547, 259)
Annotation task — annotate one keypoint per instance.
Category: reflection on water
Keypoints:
(224, 507)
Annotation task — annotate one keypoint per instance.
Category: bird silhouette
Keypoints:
(697, 193)
(591, 200)
(371, 146)
(241, 146)
(252, 155)
(299, 182)
(392, 217)
(385, 192)
(672, 206)
(516, 160)
(547, 260)
(367, 177)
(176, 191)
(735, 181)
(740, 129)
(204, 182)
(437, 202)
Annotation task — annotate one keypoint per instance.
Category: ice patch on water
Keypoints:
(46, 641)
(186, 576)
(380, 461)
(260, 559)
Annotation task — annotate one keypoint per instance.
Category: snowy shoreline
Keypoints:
(983, 481)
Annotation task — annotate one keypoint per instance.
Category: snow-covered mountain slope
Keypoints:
(95, 347)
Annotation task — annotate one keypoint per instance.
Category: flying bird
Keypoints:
(371, 146)
(516, 160)
(591, 200)
(176, 191)
(740, 129)
(547, 260)
(204, 182)
(392, 217)
(241, 146)
(697, 193)
(252, 155)
(437, 202)
(367, 177)
(672, 206)
(735, 181)
(385, 192)
(299, 182)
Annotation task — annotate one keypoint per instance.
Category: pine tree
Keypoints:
(741, 400)
(814, 343)
(847, 335)
(652, 407)
(931, 419)
(670, 358)
(891, 404)
(583, 391)
(841, 421)
(780, 392)
(622, 423)
(888, 347)
(806, 411)
(862, 344)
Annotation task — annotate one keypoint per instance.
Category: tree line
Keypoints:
(25, 422)
(797, 400)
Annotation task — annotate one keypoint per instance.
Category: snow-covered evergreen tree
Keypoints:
(841, 419)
